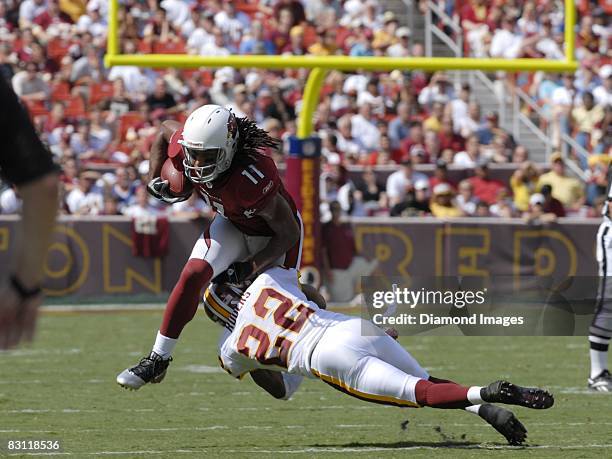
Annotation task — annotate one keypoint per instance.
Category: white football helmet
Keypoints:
(210, 136)
(221, 303)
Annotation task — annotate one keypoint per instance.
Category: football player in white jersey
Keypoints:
(272, 327)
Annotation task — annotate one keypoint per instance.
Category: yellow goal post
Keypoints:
(320, 65)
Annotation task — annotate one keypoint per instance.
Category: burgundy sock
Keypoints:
(441, 395)
(185, 297)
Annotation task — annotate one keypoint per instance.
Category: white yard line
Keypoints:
(368, 449)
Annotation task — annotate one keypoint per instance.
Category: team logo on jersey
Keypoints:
(268, 187)
(249, 213)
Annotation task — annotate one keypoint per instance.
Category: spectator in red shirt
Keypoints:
(551, 205)
(448, 137)
(485, 188)
(343, 268)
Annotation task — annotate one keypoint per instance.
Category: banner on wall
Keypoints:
(302, 182)
(94, 257)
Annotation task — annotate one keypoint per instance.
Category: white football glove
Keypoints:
(160, 190)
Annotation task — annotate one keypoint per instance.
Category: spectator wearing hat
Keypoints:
(415, 203)
(401, 48)
(536, 213)
(325, 44)
(342, 266)
(400, 182)
(485, 188)
(443, 204)
(566, 189)
(84, 199)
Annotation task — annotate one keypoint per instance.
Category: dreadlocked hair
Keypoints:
(252, 140)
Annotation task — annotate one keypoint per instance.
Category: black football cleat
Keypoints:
(151, 369)
(601, 383)
(504, 422)
(511, 394)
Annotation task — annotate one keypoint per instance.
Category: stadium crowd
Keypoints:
(99, 123)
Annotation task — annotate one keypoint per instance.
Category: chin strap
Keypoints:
(24, 292)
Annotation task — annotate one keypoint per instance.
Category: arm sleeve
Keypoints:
(23, 157)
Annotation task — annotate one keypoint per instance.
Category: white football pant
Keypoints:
(358, 358)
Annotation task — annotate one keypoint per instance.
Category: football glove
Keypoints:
(236, 273)
(160, 190)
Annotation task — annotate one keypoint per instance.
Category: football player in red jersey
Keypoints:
(256, 224)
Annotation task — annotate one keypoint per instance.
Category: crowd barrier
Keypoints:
(93, 257)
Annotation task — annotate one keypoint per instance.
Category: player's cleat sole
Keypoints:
(151, 369)
(601, 383)
(505, 422)
(511, 394)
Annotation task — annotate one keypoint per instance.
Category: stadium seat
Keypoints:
(57, 48)
(36, 108)
(128, 120)
(170, 47)
(76, 108)
(100, 92)
(60, 91)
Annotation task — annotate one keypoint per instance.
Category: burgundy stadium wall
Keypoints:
(93, 257)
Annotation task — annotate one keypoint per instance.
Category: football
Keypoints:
(178, 183)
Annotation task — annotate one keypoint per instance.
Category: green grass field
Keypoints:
(62, 387)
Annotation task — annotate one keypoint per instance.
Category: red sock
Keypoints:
(441, 395)
(185, 297)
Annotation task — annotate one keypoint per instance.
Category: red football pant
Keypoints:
(185, 297)
(441, 393)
